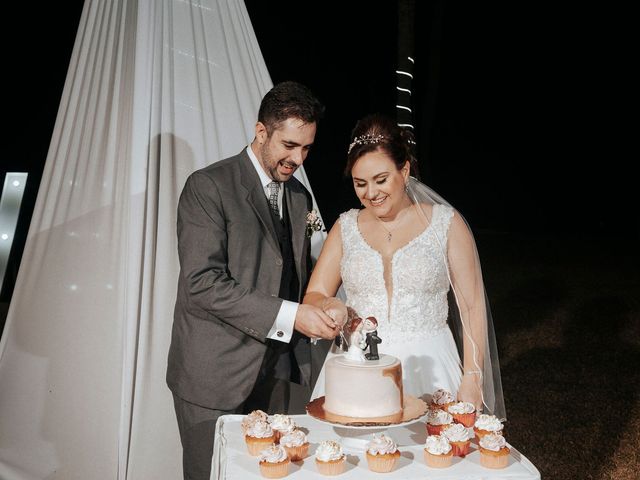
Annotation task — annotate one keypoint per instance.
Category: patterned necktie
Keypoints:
(274, 187)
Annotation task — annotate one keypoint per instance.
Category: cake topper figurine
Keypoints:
(371, 338)
(363, 335)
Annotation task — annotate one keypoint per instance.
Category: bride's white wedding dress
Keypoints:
(413, 323)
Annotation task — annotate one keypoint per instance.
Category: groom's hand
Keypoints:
(314, 323)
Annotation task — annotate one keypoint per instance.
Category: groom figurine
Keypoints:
(240, 339)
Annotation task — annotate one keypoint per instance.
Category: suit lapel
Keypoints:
(297, 204)
(256, 199)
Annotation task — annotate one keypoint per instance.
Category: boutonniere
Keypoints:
(314, 224)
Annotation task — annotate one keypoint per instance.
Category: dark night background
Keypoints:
(523, 123)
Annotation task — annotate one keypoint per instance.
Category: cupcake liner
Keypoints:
(275, 470)
(297, 453)
(491, 459)
(460, 449)
(255, 445)
(436, 429)
(443, 406)
(382, 463)
(332, 467)
(466, 419)
(438, 461)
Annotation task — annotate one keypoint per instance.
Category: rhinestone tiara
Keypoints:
(365, 139)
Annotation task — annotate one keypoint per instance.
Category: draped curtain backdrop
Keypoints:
(155, 90)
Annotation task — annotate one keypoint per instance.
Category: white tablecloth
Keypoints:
(231, 460)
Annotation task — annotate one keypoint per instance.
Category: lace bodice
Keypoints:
(418, 306)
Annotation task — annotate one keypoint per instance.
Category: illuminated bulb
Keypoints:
(4, 236)
(16, 183)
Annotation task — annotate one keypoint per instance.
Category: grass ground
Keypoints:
(567, 317)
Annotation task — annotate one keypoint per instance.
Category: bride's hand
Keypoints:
(471, 390)
(336, 310)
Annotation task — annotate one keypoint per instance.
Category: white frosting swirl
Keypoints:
(461, 407)
(273, 454)
(259, 429)
(437, 445)
(329, 450)
(442, 396)
(381, 445)
(253, 417)
(282, 423)
(456, 433)
(294, 438)
(437, 416)
(493, 442)
(488, 422)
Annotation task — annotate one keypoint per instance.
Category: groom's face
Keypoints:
(285, 149)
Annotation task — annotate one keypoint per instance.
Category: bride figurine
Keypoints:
(409, 259)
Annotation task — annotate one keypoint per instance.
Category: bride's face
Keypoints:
(379, 184)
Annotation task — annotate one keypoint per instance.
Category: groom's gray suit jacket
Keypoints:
(230, 268)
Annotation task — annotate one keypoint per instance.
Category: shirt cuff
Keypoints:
(282, 329)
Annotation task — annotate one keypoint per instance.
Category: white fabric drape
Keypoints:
(155, 89)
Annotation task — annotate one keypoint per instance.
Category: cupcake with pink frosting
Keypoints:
(296, 444)
(438, 420)
(274, 462)
(382, 454)
(458, 436)
(494, 452)
(258, 437)
(463, 412)
(486, 424)
(442, 398)
(438, 452)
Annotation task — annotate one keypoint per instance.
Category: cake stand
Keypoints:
(355, 433)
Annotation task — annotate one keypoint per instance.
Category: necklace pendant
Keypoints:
(389, 237)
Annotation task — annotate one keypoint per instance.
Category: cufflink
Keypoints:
(280, 333)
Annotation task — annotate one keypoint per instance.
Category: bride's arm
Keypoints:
(325, 278)
(466, 278)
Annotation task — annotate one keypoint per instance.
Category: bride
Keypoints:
(409, 260)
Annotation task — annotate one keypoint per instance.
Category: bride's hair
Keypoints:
(379, 132)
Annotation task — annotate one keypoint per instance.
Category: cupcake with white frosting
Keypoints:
(438, 452)
(281, 425)
(494, 452)
(463, 412)
(274, 462)
(438, 420)
(258, 437)
(486, 424)
(442, 398)
(253, 417)
(458, 436)
(296, 444)
(330, 460)
(382, 454)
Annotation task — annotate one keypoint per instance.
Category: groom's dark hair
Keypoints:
(289, 100)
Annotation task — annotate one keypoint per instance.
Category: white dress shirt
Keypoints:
(282, 328)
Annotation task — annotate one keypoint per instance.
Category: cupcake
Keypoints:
(281, 425)
(437, 451)
(274, 462)
(329, 458)
(442, 398)
(486, 424)
(458, 437)
(494, 452)
(382, 454)
(258, 437)
(438, 420)
(463, 412)
(252, 418)
(296, 444)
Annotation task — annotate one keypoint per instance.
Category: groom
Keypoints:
(240, 339)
